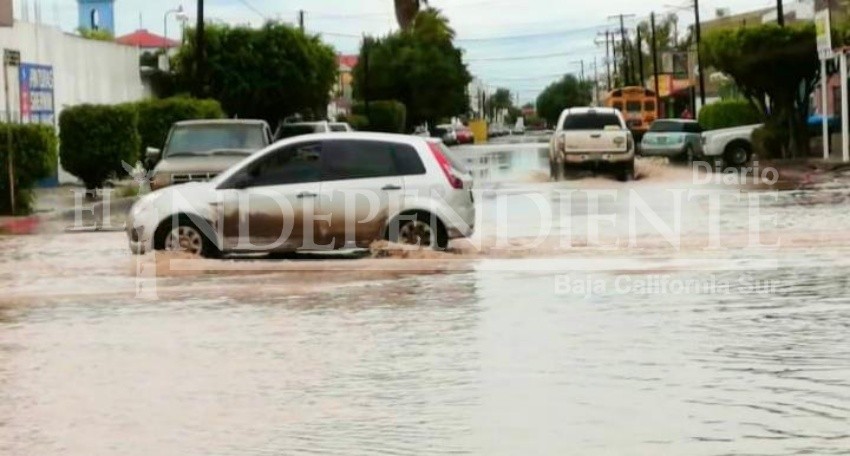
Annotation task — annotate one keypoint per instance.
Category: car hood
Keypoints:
(213, 164)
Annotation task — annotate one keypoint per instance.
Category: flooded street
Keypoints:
(597, 345)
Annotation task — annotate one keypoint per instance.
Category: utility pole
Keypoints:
(698, 33)
(200, 68)
(627, 76)
(366, 49)
(640, 58)
(655, 65)
(301, 20)
(780, 13)
(595, 81)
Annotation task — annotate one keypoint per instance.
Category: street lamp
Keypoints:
(179, 12)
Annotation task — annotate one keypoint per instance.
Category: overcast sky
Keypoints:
(488, 30)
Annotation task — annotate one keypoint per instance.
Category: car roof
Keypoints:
(303, 124)
(591, 109)
(199, 122)
(363, 136)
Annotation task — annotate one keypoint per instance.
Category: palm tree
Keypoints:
(406, 11)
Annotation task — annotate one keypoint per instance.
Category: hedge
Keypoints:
(157, 116)
(34, 149)
(358, 123)
(387, 116)
(96, 139)
(727, 114)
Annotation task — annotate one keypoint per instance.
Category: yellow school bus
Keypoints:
(638, 105)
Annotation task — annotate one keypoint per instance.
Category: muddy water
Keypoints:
(574, 351)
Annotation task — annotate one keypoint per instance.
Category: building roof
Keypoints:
(144, 39)
(348, 61)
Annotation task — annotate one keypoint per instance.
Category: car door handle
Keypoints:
(303, 195)
(391, 188)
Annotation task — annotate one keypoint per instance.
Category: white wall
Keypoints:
(84, 71)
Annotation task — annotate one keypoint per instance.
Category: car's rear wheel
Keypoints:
(737, 154)
(626, 173)
(419, 229)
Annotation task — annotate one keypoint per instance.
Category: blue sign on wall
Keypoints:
(37, 94)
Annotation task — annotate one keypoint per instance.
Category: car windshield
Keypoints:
(591, 121)
(210, 139)
(290, 131)
(661, 126)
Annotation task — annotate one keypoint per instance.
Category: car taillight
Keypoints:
(454, 181)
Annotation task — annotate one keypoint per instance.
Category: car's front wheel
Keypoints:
(626, 173)
(187, 237)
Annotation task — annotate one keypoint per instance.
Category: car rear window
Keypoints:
(338, 128)
(352, 159)
(591, 121)
(661, 126)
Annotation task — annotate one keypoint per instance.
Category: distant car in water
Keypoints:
(447, 133)
(592, 138)
(198, 150)
(465, 136)
(679, 139)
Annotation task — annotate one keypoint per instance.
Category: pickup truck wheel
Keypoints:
(627, 173)
(737, 154)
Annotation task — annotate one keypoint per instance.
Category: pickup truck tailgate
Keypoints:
(580, 141)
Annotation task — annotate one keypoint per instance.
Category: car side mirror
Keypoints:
(152, 153)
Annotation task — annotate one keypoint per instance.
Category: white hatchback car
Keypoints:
(315, 192)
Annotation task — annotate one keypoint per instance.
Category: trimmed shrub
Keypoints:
(388, 116)
(157, 116)
(727, 114)
(96, 139)
(34, 148)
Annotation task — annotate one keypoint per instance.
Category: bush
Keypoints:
(96, 139)
(34, 149)
(727, 114)
(388, 116)
(359, 123)
(157, 116)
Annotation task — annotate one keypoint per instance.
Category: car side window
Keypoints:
(353, 159)
(296, 164)
(693, 128)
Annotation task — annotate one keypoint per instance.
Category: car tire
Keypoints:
(413, 228)
(737, 154)
(688, 155)
(186, 237)
(626, 173)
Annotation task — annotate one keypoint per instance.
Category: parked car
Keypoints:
(447, 133)
(465, 136)
(679, 139)
(340, 127)
(592, 138)
(733, 145)
(420, 194)
(293, 129)
(198, 150)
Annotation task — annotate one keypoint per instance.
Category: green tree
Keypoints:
(419, 67)
(268, 73)
(776, 68)
(406, 11)
(569, 92)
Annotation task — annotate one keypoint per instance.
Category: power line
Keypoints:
(532, 35)
(253, 8)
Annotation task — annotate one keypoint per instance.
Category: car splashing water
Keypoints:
(545, 352)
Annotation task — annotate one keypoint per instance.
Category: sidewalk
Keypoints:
(57, 207)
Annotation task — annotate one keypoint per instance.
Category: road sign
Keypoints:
(823, 30)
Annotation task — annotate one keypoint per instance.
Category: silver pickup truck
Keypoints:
(733, 145)
(592, 138)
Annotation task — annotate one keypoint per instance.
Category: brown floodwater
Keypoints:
(493, 348)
